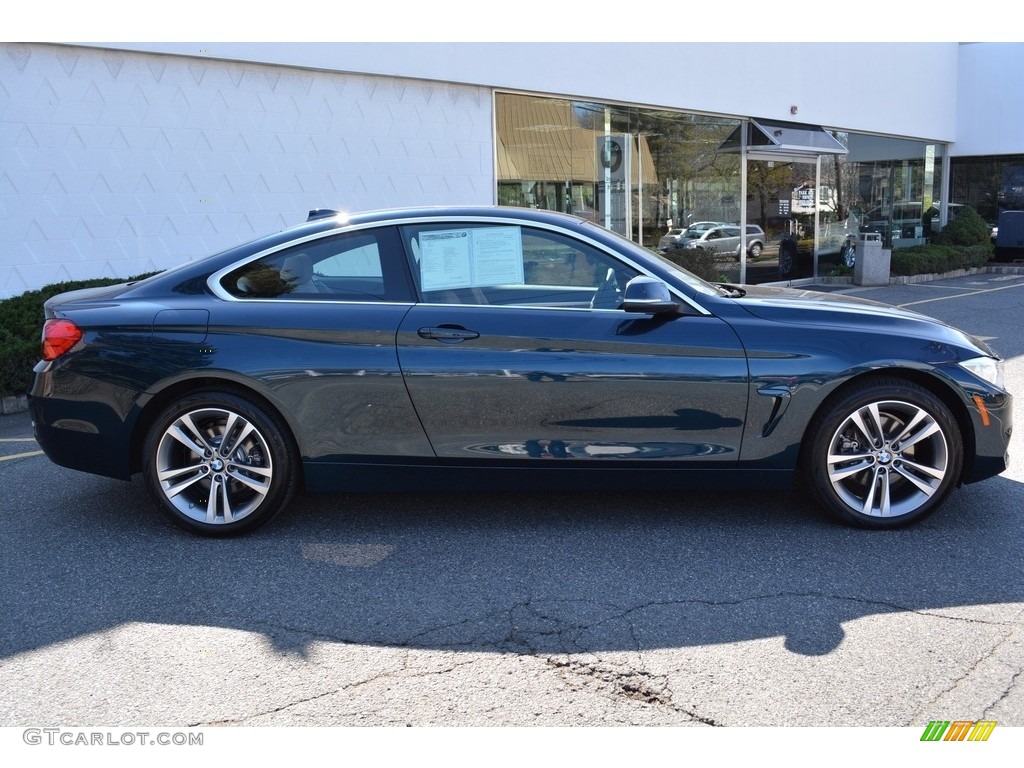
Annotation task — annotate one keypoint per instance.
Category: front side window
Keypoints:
(504, 265)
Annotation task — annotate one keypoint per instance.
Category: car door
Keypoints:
(315, 324)
(518, 350)
(720, 241)
(728, 244)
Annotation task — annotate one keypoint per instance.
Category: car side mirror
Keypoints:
(648, 295)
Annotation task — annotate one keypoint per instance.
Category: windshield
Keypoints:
(685, 276)
(698, 229)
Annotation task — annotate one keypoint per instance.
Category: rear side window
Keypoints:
(348, 267)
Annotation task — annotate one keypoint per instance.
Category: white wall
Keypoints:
(990, 99)
(117, 159)
(114, 163)
(892, 88)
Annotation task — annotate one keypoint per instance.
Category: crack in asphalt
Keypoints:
(1013, 678)
(1009, 688)
(963, 678)
(636, 685)
(274, 710)
(402, 674)
(531, 621)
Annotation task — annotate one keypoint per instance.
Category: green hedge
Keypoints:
(918, 260)
(21, 329)
(928, 259)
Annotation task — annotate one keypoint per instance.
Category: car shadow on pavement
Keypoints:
(506, 573)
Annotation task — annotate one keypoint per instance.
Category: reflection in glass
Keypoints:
(666, 175)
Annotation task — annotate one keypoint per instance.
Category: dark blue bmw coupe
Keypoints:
(468, 346)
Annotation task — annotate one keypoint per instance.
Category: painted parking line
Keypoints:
(21, 455)
(24, 454)
(962, 295)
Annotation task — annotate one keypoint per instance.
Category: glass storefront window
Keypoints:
(990, 185)
(636, 171)
(895, 188)
(650, 174)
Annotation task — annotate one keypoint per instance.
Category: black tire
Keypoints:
(755, 251)
(849, 256)
(787, 254)
(884, 455)
(185, 456)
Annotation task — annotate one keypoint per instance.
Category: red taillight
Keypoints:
(58, 337)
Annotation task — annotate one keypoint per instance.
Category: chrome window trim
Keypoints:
(213, 281)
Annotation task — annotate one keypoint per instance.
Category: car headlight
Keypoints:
(985, 368)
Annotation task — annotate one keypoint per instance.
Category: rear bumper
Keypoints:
(83, 433)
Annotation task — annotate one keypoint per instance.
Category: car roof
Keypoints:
(324, 220)
(454, 211)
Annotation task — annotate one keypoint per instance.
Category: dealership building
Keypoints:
(121, 159)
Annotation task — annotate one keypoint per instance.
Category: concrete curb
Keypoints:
(13, 404)
(996, 269)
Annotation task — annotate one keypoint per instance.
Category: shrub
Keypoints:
(967, 229)
(702, 263)
(21, 328)
(928, 259)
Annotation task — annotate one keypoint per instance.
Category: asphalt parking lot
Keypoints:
(710, 609)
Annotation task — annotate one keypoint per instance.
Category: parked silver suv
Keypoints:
(673, 238)
(725, 241)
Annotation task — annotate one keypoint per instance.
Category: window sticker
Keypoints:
(463, 258)
(497, 256)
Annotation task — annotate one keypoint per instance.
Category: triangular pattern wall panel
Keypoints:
(118, 163)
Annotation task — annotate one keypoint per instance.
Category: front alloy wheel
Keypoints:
(885, 456)
(218, 465)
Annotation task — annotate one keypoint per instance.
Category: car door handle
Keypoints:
(450, 334)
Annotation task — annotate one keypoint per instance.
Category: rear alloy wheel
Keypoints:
(218, 465)
(884, 456)
(755, 251)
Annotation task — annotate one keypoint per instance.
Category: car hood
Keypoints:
(823, 310)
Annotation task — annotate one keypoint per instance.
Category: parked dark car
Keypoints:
(464, 347)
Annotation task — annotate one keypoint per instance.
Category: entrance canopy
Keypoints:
(782, 141)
